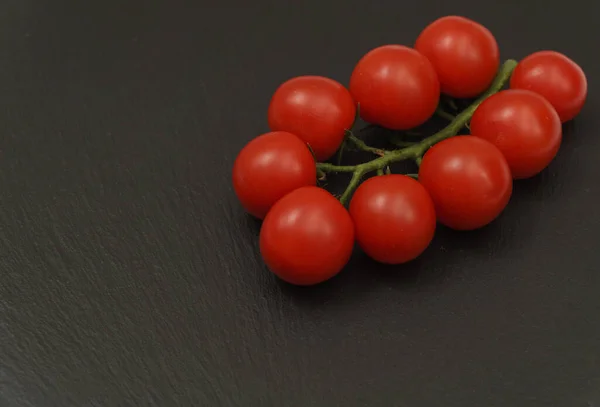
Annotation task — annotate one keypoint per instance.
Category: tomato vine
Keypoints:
(465, 171)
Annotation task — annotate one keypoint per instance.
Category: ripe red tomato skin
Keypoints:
(317, 109)
(394, 218)
(396, 87)
(307, 237)
(469, 181)
(525, 128)
(464, 53)
(554, 76)
(268, 168)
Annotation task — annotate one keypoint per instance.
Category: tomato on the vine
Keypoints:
(523, 125)
(555, 77)
(464, 54)
(396, 87)
(269, 167)
(394, 218)
(307, 237)
(319, 110)
(469, 181)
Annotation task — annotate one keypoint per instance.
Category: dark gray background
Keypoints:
(130, 276)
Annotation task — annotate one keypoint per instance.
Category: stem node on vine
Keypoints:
(321, 175)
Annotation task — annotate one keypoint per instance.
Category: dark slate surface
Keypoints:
(129, 275)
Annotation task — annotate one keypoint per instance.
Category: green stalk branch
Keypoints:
(352, 185)
(415, 152)
(326, 167)
(444, 114)
(361, 145)
(451, 103)
(320, 174)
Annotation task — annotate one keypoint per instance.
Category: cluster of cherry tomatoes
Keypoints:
(464, 182)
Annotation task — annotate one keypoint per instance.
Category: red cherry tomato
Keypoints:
(555, 77)
(307, 237)
(396, 87)
(318, 110)
(269, 167)
(469, 181)
(464, 54)
(394, 218)
(524, 126)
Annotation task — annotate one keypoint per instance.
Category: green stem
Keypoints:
(450, 102)
(416, 151)
(340, 153)
(326, 167)
(352, 185)
(444, 114)
(361, 145)
(320, 174)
